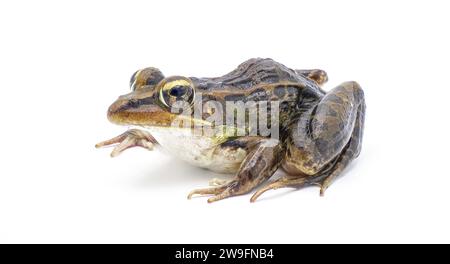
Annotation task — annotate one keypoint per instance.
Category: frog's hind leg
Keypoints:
(350, 152)
(331, 139)
(285, 181)
(323, 179)
(259, 165)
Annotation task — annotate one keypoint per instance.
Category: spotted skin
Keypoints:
(320, 132)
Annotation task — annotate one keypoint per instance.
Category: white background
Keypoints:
(62, 63)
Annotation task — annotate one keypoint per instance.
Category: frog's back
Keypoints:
(253, 72)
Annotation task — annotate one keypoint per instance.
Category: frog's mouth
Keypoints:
(147, 112)
(139, 112)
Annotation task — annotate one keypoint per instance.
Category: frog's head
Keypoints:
(152, 99)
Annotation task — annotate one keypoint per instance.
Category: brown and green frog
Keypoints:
(318, 133)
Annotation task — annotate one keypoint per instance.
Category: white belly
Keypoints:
(197, 150)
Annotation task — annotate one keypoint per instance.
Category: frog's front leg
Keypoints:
(259, 165)
(129, 139)
(324, 140)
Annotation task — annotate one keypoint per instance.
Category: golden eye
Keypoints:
(175, 89)
(161, 97)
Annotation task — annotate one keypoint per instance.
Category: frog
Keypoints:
(319, 133)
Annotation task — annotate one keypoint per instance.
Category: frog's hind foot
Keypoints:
(208, 191)
(286, 181)
(323, 181)
(129, 139)
(217, 186)
(221, 192)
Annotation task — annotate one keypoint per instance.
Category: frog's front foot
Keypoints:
(129, 139)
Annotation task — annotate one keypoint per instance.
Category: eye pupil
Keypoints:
(178, 91)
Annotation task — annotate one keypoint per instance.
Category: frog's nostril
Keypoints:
(115, 108)
(132, 103)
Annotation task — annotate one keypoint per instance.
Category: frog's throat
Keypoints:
(218, 134)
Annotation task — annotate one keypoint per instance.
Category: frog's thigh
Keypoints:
(324, 142)
(320, 138)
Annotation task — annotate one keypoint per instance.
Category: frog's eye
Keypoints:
(175, 89)
(145, 77)
(178, 91)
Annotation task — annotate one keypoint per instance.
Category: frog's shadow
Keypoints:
(175, 172)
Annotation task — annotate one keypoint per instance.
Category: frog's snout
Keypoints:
(115, 110)
(137, 111)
